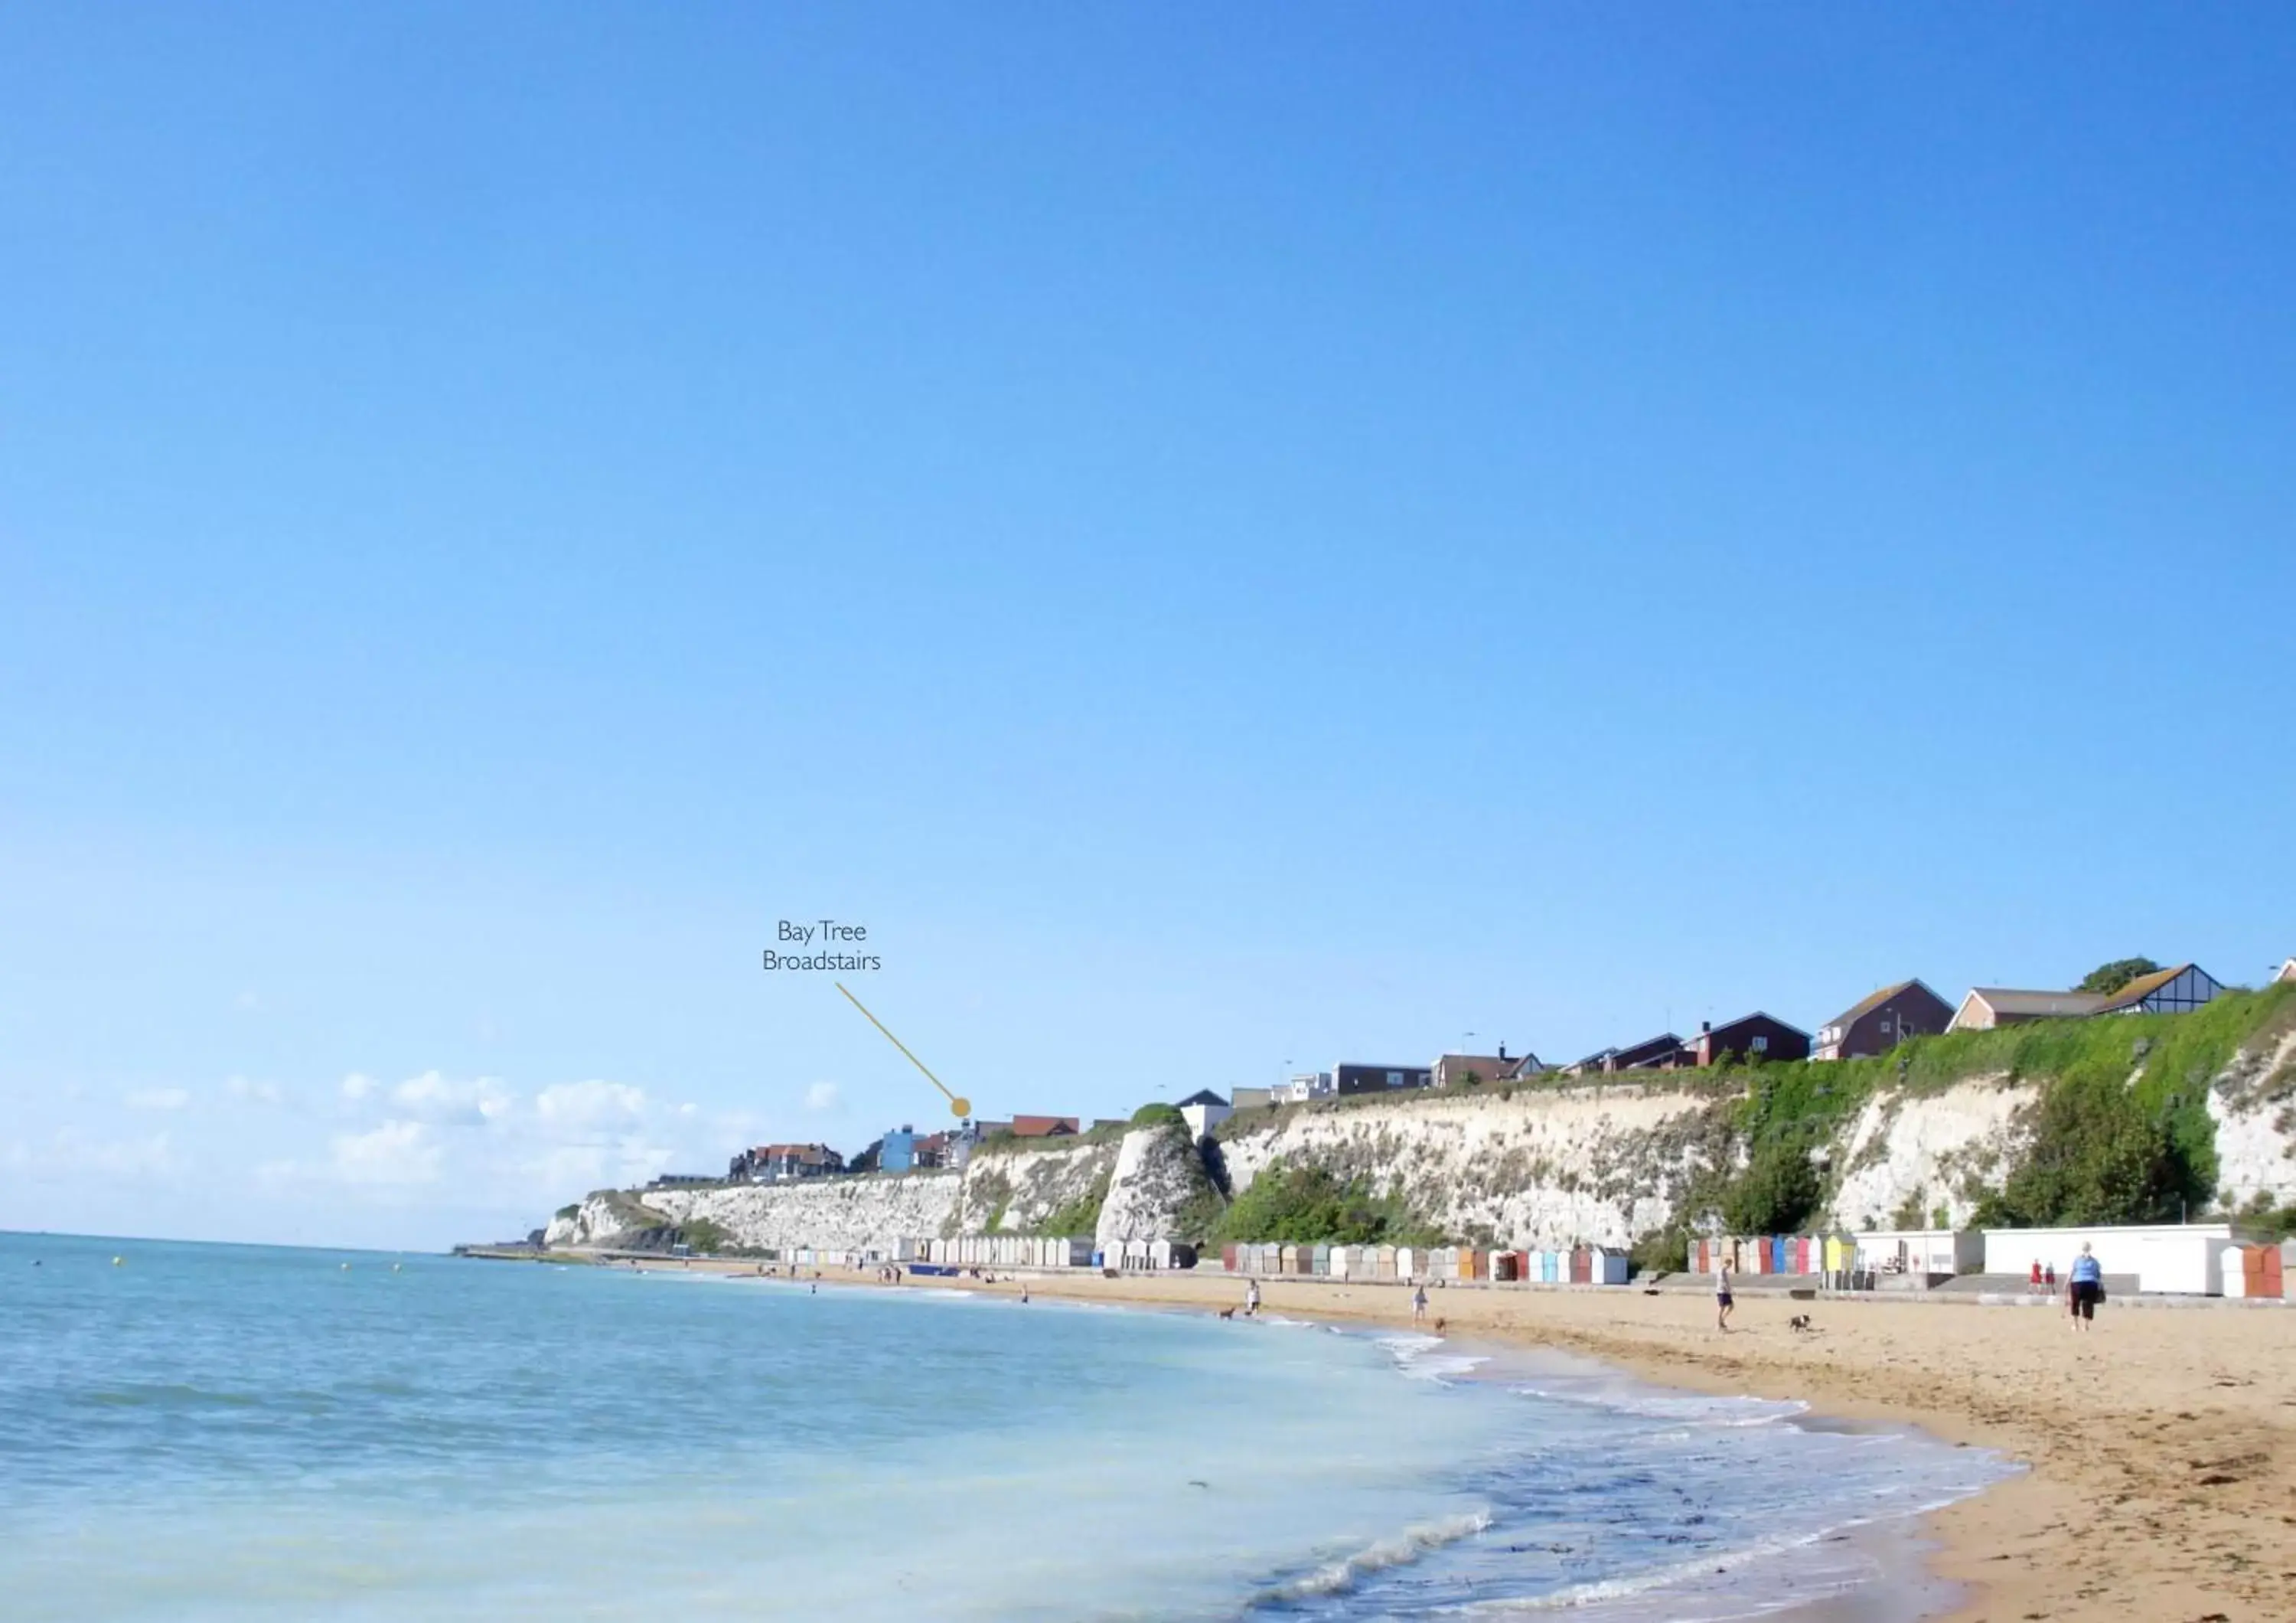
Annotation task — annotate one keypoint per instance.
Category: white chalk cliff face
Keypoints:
(1158, 1172)
(1549, 1167)
(1598, 1164)
(2254, 1107)
(1903, 1158)
(835, 1214)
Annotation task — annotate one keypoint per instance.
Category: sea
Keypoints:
(194, 1432)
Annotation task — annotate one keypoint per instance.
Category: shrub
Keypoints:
(1660, 1250)
(2098, 1156)
(1776, 1194)
(704, 1234)
(1159, 1116)
(1080, 1217)
(2109, 978)
(1308, 1204)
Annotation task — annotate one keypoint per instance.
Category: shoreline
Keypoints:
(2164, 1442)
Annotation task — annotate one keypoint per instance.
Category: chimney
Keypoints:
(1502, 1050)
(1705, 1026)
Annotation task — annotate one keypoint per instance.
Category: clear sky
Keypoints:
(1229, 538)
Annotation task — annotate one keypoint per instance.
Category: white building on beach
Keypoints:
(2175, 1259)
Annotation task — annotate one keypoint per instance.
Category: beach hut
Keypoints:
(1582, 1265)
(2288, 1270)
(1778, 1255)
(1502, 1266)
(1227, 1257)
(1470, 1264)
(1607, 1267)
(1319, 1261)
(1160, 1254)
(1546, 1268)
(1405, 1259)
(1384, 1265)
(2254, 1271)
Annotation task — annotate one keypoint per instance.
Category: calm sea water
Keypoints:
(210, 1433)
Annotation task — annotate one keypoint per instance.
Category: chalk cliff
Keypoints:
(1601, 1161)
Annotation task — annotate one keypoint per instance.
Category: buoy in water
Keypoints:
(346, 1267)
(118, 1261)
(394, 1267)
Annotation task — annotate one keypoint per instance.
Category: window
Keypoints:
(1395, 1079)
(1761, 1045)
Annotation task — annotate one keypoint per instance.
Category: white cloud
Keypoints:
(158, 1099)
(821, 1096)
(253, 1092)
(356, 1087)
(590, 1104)
(397, 1152)
(434, 1097)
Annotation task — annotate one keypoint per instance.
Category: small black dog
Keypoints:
(1801, 1325)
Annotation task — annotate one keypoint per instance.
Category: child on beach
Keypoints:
(1419, 1305)
(1251, 1299)
(1722, 1303)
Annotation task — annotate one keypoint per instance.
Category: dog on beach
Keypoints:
(1801, 1325)
(1439, 1324)
(1227, 1313)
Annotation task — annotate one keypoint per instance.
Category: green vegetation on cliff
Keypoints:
(2119, 1130)
(1308, 1204)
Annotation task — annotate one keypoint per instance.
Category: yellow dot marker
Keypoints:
(962, 1107)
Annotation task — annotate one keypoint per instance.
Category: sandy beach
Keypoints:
(2161, 1447)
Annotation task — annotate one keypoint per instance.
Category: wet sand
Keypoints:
(2161, 1446)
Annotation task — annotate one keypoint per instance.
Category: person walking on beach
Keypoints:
(1251, 1299)
(1722, 1303)
(1419, 1305)
(2084, 1289)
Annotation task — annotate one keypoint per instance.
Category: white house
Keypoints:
(1204, 1111)
(2287, 971)
(1303, 1087)
(2181, 1259)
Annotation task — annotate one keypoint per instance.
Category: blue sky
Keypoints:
(1228, 540)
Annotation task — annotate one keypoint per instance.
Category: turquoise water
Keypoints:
(210, 1433)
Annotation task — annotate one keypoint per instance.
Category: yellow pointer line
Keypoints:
(903, 1047)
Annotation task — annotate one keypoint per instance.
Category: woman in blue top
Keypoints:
(2084, 1289)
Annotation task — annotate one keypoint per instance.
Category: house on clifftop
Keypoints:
(1661, 1052)
(1451, 1070)
(1751, 1036)
(1880, 1020)
(2176, 990)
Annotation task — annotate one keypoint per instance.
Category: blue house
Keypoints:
(898, 1150)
